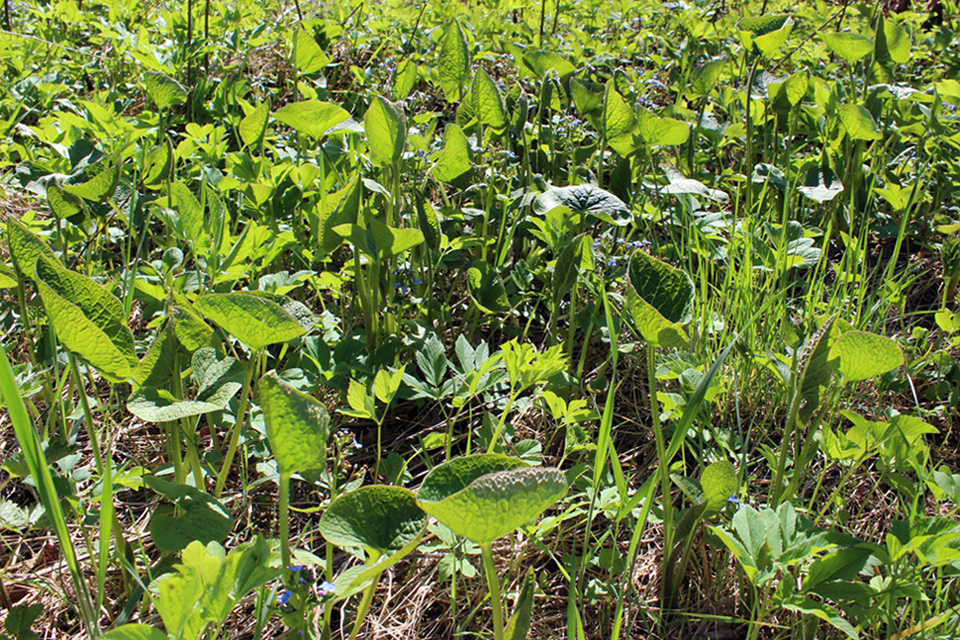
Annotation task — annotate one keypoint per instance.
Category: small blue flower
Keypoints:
(597, 244)
(612, 262)
(325, 588)
(417, 281)
(283, 598)
(397, 285)
(356, 443)
(734, 499)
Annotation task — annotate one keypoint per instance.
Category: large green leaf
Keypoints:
(542, 63)
(254, 125)
(719, 482)
(858, 122)
(660, 300)
(386, 127)
(489, 505)
(454, 160)
(157, 405)
(65, 206)
(568, 265)
(619, 122)
(454, 64)
(848, 46)
(190, 214)
(488, 104)
(342, 207)
(308, 56)
(705, 77)
(100, 187)
(254, 320)
(88, 319)
(25, 247)
(164, 90)
(486, 288)
(198, 517)
(298, 426)
(585, 199)
(658, 132)
(135, 632)
(891, 43)
(311, 117)
(865, 355)
(380, 240)
(428, 223)
(382, 520)
(404, 79)
(767, 33)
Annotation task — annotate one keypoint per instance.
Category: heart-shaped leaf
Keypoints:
(381, 520)
(100, 187)
(767, 33)
(164, 90)
(660, 300)
(658, 131)
(858, 122)
(454, 160)
(488, 104)
(719, 482)
(88, 319)
(486, 288)
(848, 46)
(298, 426)
(454, 64)
(568, 265)
(865, 355)
(311, 117)
(477, 501)
(253, 319)
(200, 517)
(25, 247)
(254, 125)
(308, 56)
(705, 77)
(386, 127)
(585, 199)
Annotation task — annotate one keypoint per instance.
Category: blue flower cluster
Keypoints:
(607, 244)
(405, 280)
(305, 578)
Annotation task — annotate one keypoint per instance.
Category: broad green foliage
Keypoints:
(88, 319)
(379, 519)
(197, 516)
(585, 199)
(486, 288)
(485, 497)
(254, 320)
(164, 91)
(312, 118)
(659, 300)
(719, 482)
(454, 62)
(298, 426)
(386, 128)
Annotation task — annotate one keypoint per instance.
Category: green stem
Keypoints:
(87, 415)
(661, 455)
(283, 512)
(237, 427)
(503, 421)
(494, 586)
(363, 607)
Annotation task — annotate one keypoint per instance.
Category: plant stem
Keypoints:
(661, 457)
(364, 606)
(494, 586)
(283, 508)
(237, 426)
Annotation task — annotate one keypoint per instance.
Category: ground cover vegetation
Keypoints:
(434, 320)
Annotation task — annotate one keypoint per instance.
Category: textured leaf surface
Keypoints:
(25, 246)
(164, 90)
(88, 319)
(386, 127)
(848, 46)
(820, 184)
(158, 405)
(858, 122)
(201, 516)
(487, 102)
(298, 426)
(494, 504)
(865, 355)
(308, 56)
(454, 160)
(311, 117)
(585, 199)
(380, 518)
(486, 288)
(254, 320)
(454, 65)
(719, 482)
